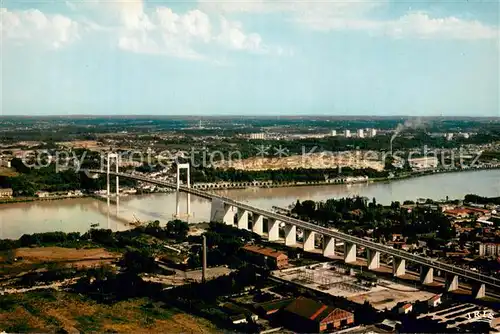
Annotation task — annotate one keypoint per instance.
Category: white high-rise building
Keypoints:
(372, 132)
(257, 136)
(449, 136)
(361, 133)
(333, 133)
(347, 133)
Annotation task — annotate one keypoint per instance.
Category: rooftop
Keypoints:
(313, 310)
(263, 250)
(436, 297)
(274, 304)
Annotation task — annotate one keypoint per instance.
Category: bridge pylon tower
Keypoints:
(111, 156)
(187, 214)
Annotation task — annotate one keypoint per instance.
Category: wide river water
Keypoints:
(73, 215)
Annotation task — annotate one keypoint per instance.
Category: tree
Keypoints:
(178, 229)
(139, 262)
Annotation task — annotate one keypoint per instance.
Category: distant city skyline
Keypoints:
(254, 58)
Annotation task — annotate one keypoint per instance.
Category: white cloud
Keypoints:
(132, 27)
(32, 25)
(180, 35)
(301, 9)
(335, 15)
(421, 25)
(233, 36)
(412, 25)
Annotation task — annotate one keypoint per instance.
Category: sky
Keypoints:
(252, 57)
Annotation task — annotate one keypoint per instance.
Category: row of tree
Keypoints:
(358, 215)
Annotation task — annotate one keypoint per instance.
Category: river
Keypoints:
(77, 214)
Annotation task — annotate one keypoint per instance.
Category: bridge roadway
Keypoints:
(468, 274)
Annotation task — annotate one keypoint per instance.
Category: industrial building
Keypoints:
(5, 163)
(489, 249)
(238, 315)
(423, 163)
(309, 316)
(257, 136)
(434, 301)
(6, 192)
(406, 308)
(266, 256)
(372, 132)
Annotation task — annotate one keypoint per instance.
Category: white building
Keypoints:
(405, 309)
(489, 249)
(423, 163)
(347, 133)
(434, 301)
(42, 194)
(5, 163)
(449, 136)
(372, 132)
(361, 133)
(6, 192)
(333, 133)
(257, 135)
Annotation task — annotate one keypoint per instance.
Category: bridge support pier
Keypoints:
(258, 224)
(451, 282)
(221, 212)
(188, 185)
(290, 234)
(426, 275)
(273, 227)
(328, 246)
(228, 218)
(349, 252)
(373, 259)
(398, 267)
(242, 219)
(308, 240)
(478, 290)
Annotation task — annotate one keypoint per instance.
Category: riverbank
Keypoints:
(38, 199)
(78, 214)
(265, 184)
(13, 200)
(337, 181)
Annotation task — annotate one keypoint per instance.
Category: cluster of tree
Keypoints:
(175, 230)
(46, 277)
(223, 244)
(33, 179)
(41, 239)
(470, 198)
(199, 294)
(140, 261)
(106, 286)
(357, 215)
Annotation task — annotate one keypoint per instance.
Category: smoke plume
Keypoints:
(408, 124)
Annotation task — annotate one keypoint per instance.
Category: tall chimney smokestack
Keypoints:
(204, 260)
